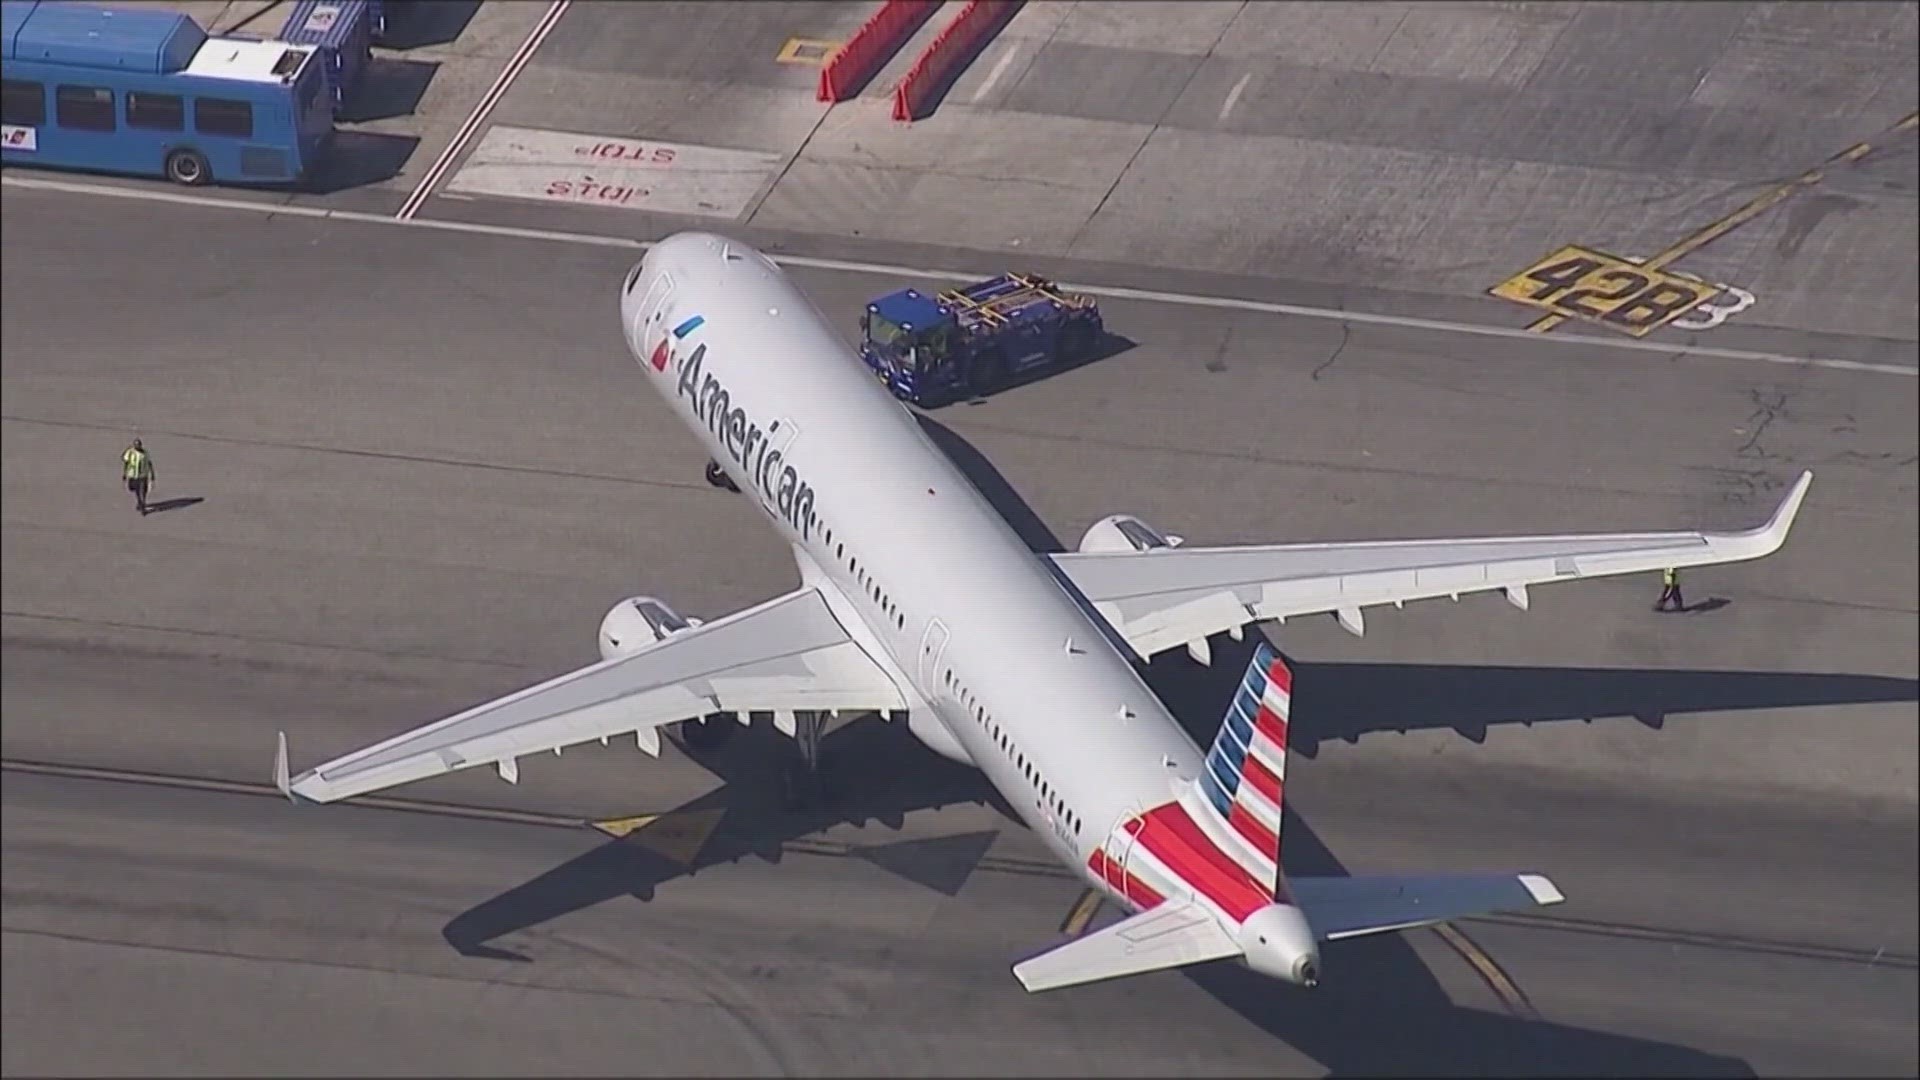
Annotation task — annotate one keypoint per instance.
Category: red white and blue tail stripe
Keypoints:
(1239, 791)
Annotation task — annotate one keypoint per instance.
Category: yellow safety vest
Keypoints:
(1669, 576)
(136, 464)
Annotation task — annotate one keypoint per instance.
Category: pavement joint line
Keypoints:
(470, 127)
(797, 845)
(1714, 230)
(1881, 958)
(1223, 303)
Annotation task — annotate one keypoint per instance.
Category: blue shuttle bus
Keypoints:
(145, 92)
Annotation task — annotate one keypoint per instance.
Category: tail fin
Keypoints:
(1240, 788)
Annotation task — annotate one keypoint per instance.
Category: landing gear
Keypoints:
(718, 477)
(804, 789)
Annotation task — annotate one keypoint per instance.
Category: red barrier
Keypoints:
(942, 61)
(866, 52)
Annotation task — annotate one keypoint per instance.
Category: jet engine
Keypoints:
(929, 730)
(1124, 532)
(640, 621)
(637, 622)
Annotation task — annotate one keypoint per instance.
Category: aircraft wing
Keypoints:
(787, 654)
(1162, 597)
(1170, 935)
(1344, 907)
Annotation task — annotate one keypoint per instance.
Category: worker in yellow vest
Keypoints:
(136, 467)
(1670, 590)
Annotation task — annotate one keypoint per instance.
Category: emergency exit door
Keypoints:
(932, 647)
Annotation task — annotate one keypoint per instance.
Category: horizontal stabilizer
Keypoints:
(1354, 906)
(1171, 935)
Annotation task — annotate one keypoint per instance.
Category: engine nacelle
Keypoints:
(929, 730)
(637, 622)
(1124, 532)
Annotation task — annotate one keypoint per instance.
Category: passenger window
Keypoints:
(84, 108)
(220, 116)
(23, 103)
(156, 112)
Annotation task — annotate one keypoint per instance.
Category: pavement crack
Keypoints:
(1346, 332)
(1767, 407)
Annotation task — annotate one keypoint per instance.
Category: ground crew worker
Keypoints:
(136, 466)
(1670, 590)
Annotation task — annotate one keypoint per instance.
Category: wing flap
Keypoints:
(788, 654)
(1171, 935)
(1166, 597)
(1339, 908)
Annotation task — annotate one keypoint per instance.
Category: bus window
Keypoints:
(23, 103)
(158, 112)
(84, 108)
(220, 116)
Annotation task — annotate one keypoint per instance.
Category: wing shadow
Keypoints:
(878, 772)
(1349, 700)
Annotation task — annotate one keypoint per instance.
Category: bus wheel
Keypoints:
(187, 167)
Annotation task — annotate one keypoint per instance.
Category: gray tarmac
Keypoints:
(417, 467)
(1424, 148)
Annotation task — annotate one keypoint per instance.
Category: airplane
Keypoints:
(919, 601)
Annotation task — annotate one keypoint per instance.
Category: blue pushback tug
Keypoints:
(964, 342)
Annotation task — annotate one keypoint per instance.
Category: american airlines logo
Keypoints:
(750, 447)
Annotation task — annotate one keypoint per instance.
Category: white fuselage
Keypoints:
(925, 574)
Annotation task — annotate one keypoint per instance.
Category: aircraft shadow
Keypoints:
(1384, 1013)
(1349, 699)
(875, 774)
(1381, 1012)
(1339, 1024)
(879, 774)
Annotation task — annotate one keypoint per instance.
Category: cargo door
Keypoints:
(650, 330)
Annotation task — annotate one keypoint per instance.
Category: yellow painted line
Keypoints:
(618, 827)
(810, 51)
(1082, 913)
(677, 834)
(1747, 213)
(1497, 980)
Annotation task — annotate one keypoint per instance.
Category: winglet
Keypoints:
(280, 778)
(1777, 527)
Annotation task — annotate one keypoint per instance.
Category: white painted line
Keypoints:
(1233, 95)
(478, 117)
(999, 69)
(1224, 303)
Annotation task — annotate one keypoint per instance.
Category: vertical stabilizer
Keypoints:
(1239, 791)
